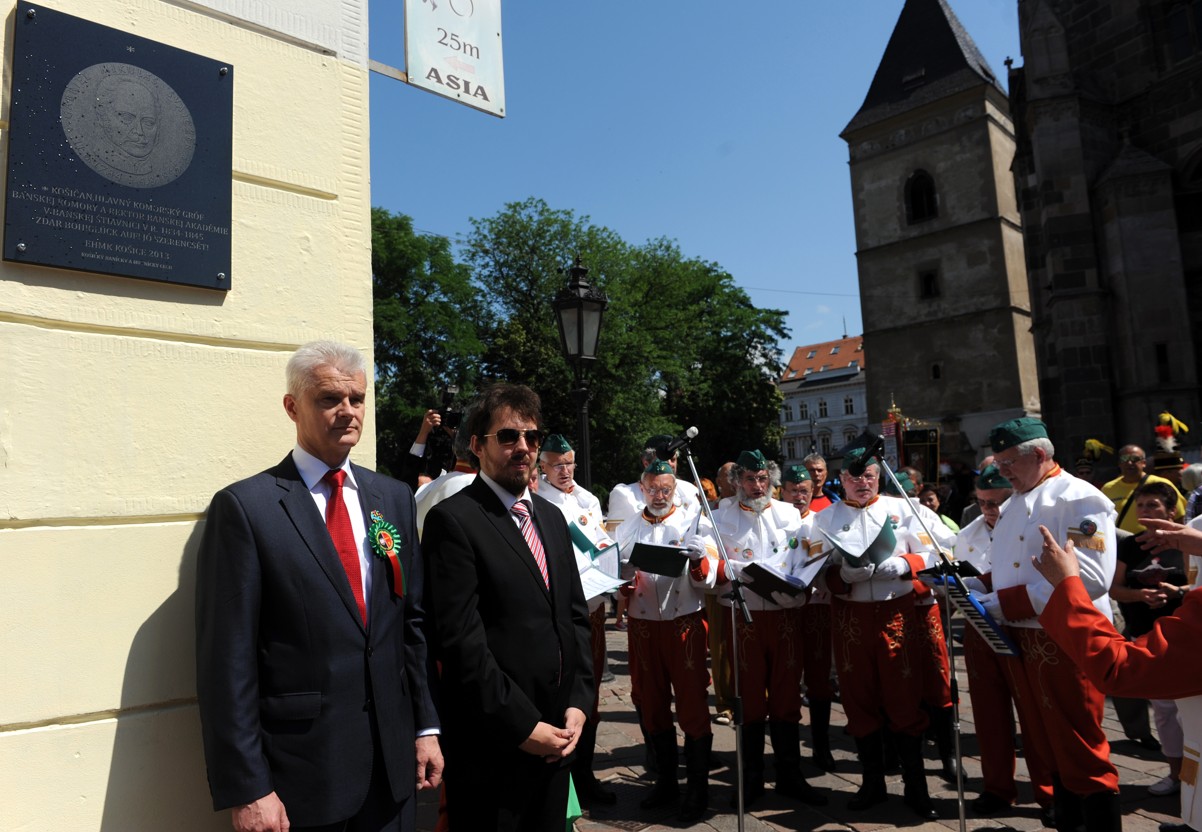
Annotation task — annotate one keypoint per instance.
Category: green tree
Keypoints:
(428, 320)
(680, 344)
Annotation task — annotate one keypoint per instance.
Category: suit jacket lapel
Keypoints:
(504, 523)
(310, 525)
(370, 497)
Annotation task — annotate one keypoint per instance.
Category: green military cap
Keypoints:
(752, 461)
(860, 450)
(903, 478)
(556, 444)
(657, 467)
(795, 473)
(990, 478)
(1016, 431)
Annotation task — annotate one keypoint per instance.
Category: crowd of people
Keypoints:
(357, 644)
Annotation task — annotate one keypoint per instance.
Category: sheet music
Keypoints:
(595, 582)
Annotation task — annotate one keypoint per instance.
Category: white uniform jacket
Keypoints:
(582, 509)
(658, 597)
(856, 528)
(1071, 508)
(772, 536)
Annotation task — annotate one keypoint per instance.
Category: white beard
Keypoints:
(758, 503)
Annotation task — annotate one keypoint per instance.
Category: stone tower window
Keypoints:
(928, 284)
(921, 201)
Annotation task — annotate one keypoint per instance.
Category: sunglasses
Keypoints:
(510, 436)
(1130, 458)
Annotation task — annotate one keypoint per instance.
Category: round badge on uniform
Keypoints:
(583, 520)
(1088, 527)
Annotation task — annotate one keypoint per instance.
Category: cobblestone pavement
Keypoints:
(619, 762)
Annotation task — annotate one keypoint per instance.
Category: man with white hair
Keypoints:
(1065, 706)
(626, 499)
(758, 529)
(667, 640)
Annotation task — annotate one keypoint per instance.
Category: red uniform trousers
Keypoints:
(816, 651)
(879, 679)
(668, 658)
(596, 620)
(769, 675)
(1063, 713)
(931, 649)
(989, 690)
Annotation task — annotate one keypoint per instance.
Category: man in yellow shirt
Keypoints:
(1132, 464)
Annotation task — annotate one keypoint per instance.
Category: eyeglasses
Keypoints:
(560, 466)
(658, 492)
(990, 503)
(1129, 458)
(867, 476)
(510, 436)
(762, 479)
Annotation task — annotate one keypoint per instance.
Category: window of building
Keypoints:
(921, 201)
(835, 350)
(811, 353)
(853, 363)
(790, 449)
(826, 444)
(824, 368)
(1181, 34)
(849, 436)
(936, 372)
(928, 284)
(822, 408)
(803, 409)
(788, 412)
(849, 406)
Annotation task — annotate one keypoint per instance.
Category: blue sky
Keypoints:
(710, 122)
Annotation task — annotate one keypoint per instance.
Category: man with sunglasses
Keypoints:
(1133, 463)
(512, 630)
(581, 509)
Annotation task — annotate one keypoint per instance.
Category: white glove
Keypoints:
(975, 585)
(856, 574)
(696, 553)
(992, 606)
(894, 567)
(788, 602)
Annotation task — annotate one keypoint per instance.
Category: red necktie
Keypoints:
(522, 509)
(338, 523)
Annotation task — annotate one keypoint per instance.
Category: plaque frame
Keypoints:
(120, 154)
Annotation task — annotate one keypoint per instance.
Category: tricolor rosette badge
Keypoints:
(385, 542)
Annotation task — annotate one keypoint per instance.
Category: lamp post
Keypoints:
(578, 311)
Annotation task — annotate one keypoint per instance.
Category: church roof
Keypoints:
(930, 55)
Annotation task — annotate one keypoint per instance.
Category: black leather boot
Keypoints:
(943, 724)
(786, 752)
(753, 765)
(871, 751)
(590, 790)
(1067, 808)
(820, 730)
(697, 778)
(1102, 812)
(914, 775)
(666, 790)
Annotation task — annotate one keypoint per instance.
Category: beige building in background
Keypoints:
(124, 404)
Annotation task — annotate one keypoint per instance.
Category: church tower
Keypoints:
(943, 282)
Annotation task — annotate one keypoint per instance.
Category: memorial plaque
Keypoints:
(119, 153)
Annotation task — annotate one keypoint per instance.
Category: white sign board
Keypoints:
(453, 49)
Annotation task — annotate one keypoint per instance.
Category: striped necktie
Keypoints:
(521, 510)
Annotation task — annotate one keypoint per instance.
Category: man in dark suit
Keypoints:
(311, 660)
(512, 630)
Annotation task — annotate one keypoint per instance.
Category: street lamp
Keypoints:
(578, 311)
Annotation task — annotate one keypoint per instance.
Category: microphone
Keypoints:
(875, 451)
(665, 453)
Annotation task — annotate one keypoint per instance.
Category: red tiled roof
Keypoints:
(829, 355)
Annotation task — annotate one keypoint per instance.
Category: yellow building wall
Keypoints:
(124, 404)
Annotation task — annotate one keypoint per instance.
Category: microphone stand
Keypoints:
(945, 568)
(738, 605)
